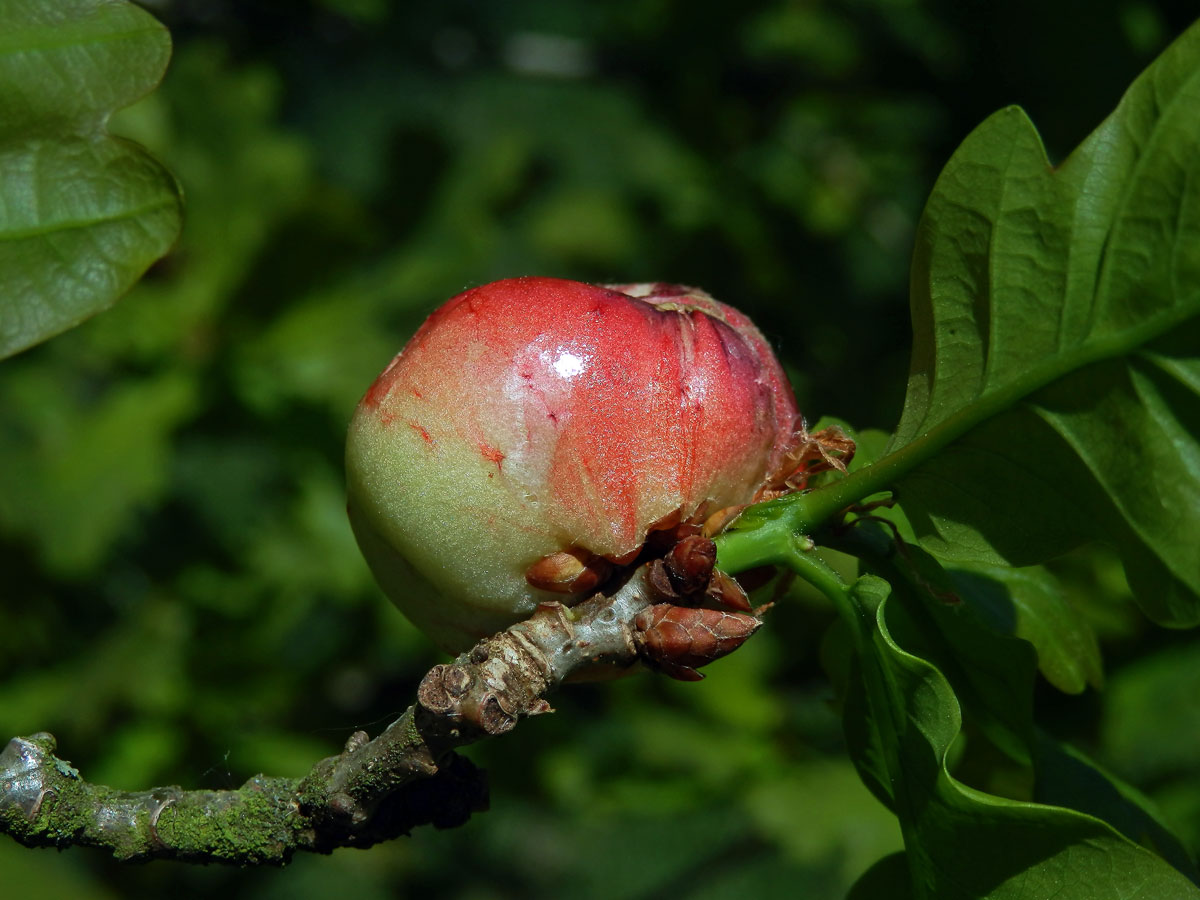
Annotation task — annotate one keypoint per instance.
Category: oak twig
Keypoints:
(373, 791)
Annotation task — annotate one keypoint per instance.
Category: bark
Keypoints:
(373, 791)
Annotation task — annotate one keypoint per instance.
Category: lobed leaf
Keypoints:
(1047, 850)
(1030, 604)
(1026, 603)
(1066, 777)
(1054, 394)
(961, 628)
(82, 214)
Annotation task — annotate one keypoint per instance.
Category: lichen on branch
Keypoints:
(373, 791)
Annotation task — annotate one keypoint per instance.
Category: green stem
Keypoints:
(884, 706)
(804, 513)
(861, 622)
(811, 510)
(857, 617)
(770, 545)
(804, 563)
(775, 545)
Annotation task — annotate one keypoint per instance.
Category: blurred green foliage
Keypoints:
(182, 598)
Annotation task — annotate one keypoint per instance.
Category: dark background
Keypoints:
(182, 600)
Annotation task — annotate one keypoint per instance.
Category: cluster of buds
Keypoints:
(702, 613)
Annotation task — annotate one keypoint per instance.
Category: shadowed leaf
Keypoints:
(82, 214)
(1054, 396)
(1048, 850)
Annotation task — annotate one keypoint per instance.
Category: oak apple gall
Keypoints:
(535, 417)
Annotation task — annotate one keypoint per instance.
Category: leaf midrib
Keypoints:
(879, 476)
(824, 502)
(24, 234)
(12, 43)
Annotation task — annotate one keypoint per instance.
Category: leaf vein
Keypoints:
(13, 44)
(24, 234)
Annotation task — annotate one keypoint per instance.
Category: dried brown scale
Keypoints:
(821, 451)
(720, 520)
(624, 559)
(725, 590)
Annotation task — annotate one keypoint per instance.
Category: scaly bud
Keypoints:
(574, 571)
(677, 640)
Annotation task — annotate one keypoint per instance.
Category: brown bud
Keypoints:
(690, 563)
(573, 571)
(678, 640)
(725, 590)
